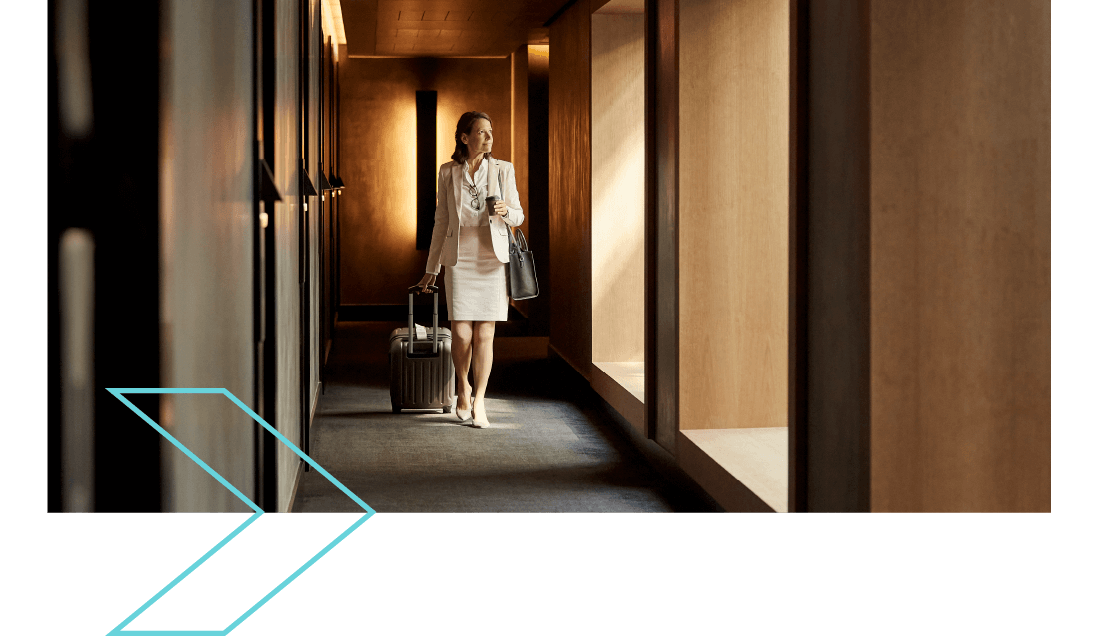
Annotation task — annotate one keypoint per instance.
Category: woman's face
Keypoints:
(480, 138)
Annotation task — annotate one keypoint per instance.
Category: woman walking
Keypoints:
(472, 242)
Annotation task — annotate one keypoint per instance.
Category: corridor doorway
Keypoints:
(618, 150)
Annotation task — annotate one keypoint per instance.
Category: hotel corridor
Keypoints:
(555, 446)
(777, 272)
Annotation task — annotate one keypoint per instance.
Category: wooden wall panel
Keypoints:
(960, 256)
(313, 152)
(285, 220)
(518, 120)
(570, 183)
(518, 62)
(327, 157)
(733, 206)
(378, 129)
(207, 249)
(618, 190)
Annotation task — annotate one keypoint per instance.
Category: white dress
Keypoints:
(475, 285)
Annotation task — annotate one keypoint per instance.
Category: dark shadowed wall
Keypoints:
(538, 219)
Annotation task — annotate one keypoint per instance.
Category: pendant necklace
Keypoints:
(475, 202)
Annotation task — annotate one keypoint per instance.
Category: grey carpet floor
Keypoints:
(555, 446)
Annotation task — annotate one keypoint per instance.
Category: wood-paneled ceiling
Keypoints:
(619, 7)
(444, 28)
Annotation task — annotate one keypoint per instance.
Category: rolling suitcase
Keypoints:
(422, 374)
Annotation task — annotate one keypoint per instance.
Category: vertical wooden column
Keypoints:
(261, 437)
(339, 203)
(518, 64)
(268, 457)
(797, 262)
(837, 256)
(662, 271)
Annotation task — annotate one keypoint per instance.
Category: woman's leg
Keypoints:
(461, 332)
(483, 359)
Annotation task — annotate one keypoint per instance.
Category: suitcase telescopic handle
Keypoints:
(435, 316)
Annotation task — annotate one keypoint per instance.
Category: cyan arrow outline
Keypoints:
(118, 393)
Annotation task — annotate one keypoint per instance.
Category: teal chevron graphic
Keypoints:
(118, 393)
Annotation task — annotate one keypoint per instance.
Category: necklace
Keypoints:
(475, 202)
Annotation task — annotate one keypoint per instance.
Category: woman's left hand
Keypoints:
(500, 209)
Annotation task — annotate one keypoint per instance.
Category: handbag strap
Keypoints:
(520, 246)
(497, 169)
(501, 194)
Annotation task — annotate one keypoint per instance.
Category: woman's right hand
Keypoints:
(426, 282)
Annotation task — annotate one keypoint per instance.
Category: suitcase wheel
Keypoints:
(396, 409)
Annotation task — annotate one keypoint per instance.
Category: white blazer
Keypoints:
(444, 249)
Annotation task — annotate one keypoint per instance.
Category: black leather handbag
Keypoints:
(522, 283)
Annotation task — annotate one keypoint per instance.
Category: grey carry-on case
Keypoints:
(422, 374)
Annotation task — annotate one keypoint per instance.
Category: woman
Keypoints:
(473, 243)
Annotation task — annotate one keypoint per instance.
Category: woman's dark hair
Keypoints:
(465, 126)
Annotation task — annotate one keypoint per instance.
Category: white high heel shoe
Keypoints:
(478, 421)
(464, 415)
